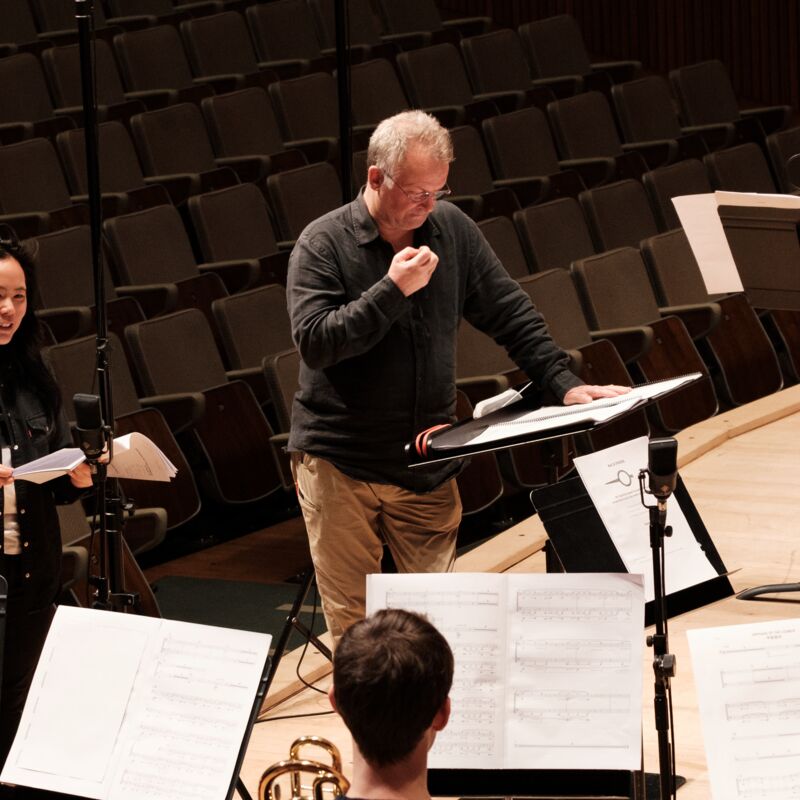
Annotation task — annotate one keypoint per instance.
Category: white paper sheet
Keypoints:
(547, 667)
(748, 688)
(611, 478)
(133, 708)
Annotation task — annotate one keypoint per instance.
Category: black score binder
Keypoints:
(579, 542)
(510, 426)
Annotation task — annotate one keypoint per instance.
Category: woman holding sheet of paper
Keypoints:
(31, 425)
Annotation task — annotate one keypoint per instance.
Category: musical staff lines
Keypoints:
(572, 655)
(574, 605)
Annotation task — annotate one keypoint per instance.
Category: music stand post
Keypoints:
(663, 660)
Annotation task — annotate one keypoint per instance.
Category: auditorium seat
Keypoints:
(253, 326)
(232, 436)
(153, 59)
(285, 39)
(364, 38)
(555, 48)
(743, 363)
(706, 96)
(34, 196)
(152, 260)
(496, 62)
(19, 32)
(523, 156)
(369, 106)
(282, 376)
(740, 169)
(74, 366)
(675, 180)
(618, 301)
(583, 127)
(220, 45)
(782, 146)
(435, 77)
(120, 171)
(618, 215)
(504, 240)
(299, 196)
(56, 20)
(235, 224)
(645, 111)
(65, 280)
(26, 109)
(174, 141)
(554, 234)
(160, 12)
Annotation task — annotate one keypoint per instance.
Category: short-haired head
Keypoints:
(393, 138)
(392, 674)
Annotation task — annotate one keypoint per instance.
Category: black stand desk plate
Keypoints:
(445, 442)
(579, 542)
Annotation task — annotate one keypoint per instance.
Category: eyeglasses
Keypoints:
(421, 197)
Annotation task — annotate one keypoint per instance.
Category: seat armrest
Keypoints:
(67, 322)
(74, 566)
(699, 318)
(254, 378)
(656, 152)
(181, 411)
(154, 298)
(236, 275)
(631, 343)
(593, 171)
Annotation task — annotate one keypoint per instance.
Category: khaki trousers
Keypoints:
(348, 522)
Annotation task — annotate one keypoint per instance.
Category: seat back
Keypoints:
(673, 269)
(307, 107)
(299, 196)
(283, 30)
(435, 76)
(153, 58)
(368, 106)
(24, 96)
(163, 366)
(219, 44)
(496, 62)
(120, 170)
(31, 178)
(781, 146)
(282, 372)
(584, 127)
(740, 169)
(232, 223)
(674, 180)
(705, 93)
(409, 16)
(150, 246)
(555, 296)
(18, 24)
(254, 325)
(242, 123)
(504, 240)
(554, 234)
(469, 172)
(173, 140)
(520, 144)
(59, 15)
(645, 110)
(618, 214)
(63, 69)
(555, 47)
(364, 27)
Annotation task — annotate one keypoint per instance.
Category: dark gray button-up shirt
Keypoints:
(379, 367)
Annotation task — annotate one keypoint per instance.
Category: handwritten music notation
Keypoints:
(575, 604)
(564, 704)
(572, 655)
(779, 787)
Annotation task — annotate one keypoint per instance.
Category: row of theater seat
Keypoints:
(155, 265)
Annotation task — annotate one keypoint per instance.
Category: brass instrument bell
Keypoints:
(327, 780)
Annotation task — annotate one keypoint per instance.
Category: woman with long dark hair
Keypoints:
(31, 425)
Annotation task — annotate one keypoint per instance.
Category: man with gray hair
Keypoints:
(376, 291)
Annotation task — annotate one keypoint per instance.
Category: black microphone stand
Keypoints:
(110, 583)
(663, 661)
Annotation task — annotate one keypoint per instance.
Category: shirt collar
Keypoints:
(366, 231)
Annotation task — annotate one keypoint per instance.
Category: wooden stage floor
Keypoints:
(742, 470)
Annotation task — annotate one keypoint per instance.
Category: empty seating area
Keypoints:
(219, 142)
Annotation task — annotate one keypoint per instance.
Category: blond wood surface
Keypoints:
(743, 472)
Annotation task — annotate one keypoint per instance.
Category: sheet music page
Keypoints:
(701, 223)
(135, 708)
(468, 609)
(545, 666)
(575, 671)
(138, 458)
(748, 687)
(600, 410)
(611, 478)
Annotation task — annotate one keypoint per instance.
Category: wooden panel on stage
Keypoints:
(742, 469)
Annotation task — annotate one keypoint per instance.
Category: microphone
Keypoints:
(89, 424)
(662, 467)
(793, 169)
